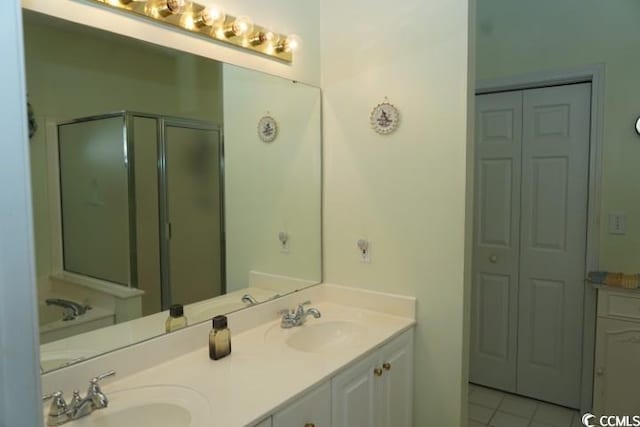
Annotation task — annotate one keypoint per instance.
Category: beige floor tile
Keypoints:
(516, 405)
(479, 413)
(552, 415)
(486, 397)
(501, 419)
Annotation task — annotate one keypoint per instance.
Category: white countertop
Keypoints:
(263, 373)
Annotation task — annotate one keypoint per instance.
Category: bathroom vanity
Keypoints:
(617, 352)
(351, 367)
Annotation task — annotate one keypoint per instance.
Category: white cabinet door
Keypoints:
(617, 369)
(396, 394)
(378, 391)
(353, 394)
(311, 410)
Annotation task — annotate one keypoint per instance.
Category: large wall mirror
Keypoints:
(152, 187)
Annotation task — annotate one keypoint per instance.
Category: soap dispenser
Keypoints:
(176, 319)
(219, 338)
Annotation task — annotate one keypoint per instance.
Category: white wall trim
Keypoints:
(596, 75)
(19, 341)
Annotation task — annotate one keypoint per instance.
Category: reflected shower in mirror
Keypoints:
(152, 187)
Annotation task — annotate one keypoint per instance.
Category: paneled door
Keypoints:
(529, 260)
(496, 240)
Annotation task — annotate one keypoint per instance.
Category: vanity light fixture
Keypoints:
(212, 22)
(638, 125)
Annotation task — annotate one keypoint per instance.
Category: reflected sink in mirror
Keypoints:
(158, 406)
(54, 359)
(318, 336)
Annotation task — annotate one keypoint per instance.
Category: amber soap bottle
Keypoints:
(219, 339)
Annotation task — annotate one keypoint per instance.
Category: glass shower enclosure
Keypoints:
(142, 204)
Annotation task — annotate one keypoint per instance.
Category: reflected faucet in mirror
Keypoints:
(248, 299)
(72, 309)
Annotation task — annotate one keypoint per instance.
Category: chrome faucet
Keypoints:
(298, 316)
(72, 309)
(60, 412)
(248, 299)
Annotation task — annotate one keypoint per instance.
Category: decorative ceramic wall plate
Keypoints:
(267, 129)
(385, 118)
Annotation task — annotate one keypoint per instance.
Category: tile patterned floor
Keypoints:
(488, 407)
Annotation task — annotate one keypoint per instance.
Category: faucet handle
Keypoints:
(98, 399)
(284, 312)
(76, 399)
(300, 308)
(58, 406)
(102, 376)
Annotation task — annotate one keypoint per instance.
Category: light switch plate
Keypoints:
(617, 223)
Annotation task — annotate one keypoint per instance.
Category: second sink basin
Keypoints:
(320, 336)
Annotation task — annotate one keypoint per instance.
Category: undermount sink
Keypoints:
(323, 336)
(157, 406)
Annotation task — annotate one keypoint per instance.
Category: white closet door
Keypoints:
(496, 240)
(555, 169)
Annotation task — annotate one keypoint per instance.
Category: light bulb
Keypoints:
(176, 6)
(211, 16)
(271, 37)
(292, 43)
(188, 21)
(165, 8)
(265, 36)
(240, 27)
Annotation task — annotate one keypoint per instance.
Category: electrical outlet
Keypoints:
(365, 251)
(617, 223)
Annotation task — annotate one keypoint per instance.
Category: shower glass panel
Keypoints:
(95, 199)
(194, 212)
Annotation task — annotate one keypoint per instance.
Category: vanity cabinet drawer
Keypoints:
(311, 410)
(619, 304)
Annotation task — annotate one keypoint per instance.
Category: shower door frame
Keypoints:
(165, 233)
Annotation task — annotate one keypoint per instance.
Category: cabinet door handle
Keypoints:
(309, 425)
(386, 366)
(377, 372)
(600, 371)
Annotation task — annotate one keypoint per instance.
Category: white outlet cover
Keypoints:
(617, 223)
